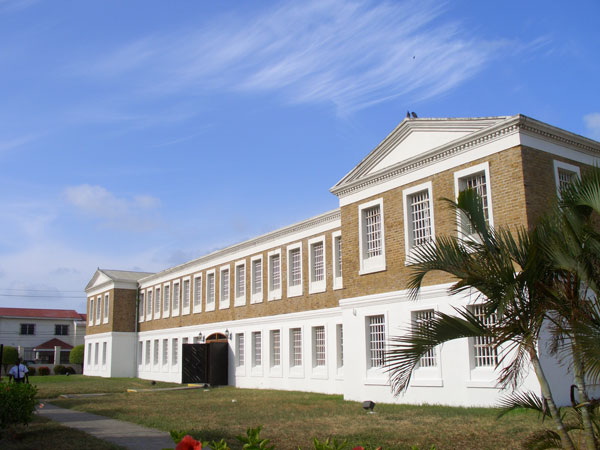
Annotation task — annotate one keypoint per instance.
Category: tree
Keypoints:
(9, 357)
(76, 356)
(511, 273)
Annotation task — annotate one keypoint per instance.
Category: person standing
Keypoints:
(19, 372)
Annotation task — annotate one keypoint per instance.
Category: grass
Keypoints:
(45, 434)
(292, 419)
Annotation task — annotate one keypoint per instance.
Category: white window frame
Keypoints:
(294, 291)
(106, 311)
(458, 180)
(104, 353)
(296, 367)
(91, 311)
(257, 297)
(240, 353)
(428, 186)
(240, 300)
(337, 272)
(318, 370)
(274, 294)
(96, 353)
(432, 375)
(98, 309)
(316, 286)
(210, 305)
(197, 286)
(225, 299)
(176, 288)
(141, 306)
(166, 287)
(147, 355)
(157, 301)
(174, 352)
(150, 303)
(564, 166)
(186, 310)
(339, 348)
(375, 372)
(274, 365)
(165, 352)
(140, 354)
(257, 363)
(155, 354)
(374, 263)
(481, 376)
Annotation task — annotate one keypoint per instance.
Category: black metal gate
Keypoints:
(205, 363)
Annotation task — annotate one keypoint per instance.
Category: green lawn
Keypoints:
(292, 419)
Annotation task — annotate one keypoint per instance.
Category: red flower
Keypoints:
(358, 447)
(189, 443)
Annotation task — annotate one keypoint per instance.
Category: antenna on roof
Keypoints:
(414, 115)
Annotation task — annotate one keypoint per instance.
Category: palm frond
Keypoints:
(526, 400)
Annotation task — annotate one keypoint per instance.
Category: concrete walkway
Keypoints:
(125, 434)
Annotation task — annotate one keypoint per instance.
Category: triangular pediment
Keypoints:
(412, 138)
(98, 279)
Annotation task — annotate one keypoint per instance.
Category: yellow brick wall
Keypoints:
(121, 313)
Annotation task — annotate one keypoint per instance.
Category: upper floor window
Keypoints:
(166, 300)
(91, 312)
(198, 293)
(274, 275)
(371, 237)
(61, 330)
(98, 309)
(317, 265)
(176, 297)
(149, 298)
(337, 259)
(186, 295)
(418, 216)
(157, 303)
(224, 294)
(141, 305)
(257, 279)
(240, 283)
(476, 178)
(106, 308)
(27, 328)
(210, 290)
(564, 174)
(294, 276)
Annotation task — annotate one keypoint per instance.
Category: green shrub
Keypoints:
(43, 371)
(59, 369)
(9, 357)
(69, 370)
(77, 354)
(18, 404)
(31, 371)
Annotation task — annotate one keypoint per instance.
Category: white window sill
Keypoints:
(156, 316)
(296, 372)
(105, 321)
(240, 301)
(175, 312)
(366, 271)
(317, 287)
(224, 305)
(210, 307)
(493, 384)
(257, 371)
(276, 372)
(256, 298)
(274, 295)
(294, 291)
(185, 312)
(338, 283)
(319, 373)
(197, 309)
(165, 315)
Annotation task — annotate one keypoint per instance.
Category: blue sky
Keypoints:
(138, 135)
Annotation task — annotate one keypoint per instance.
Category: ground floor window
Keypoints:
(256, 349)
(239, 349)
(376, 340)
(295, 347)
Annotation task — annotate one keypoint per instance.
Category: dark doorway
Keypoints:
(206, 363)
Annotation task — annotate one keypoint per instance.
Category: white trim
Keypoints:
(166, 313)
(186, 310)
(406, 193)
(240, 300)
(256, 297)
(294, 291)
(375, 263)
(210, 305)
(565, 166)
(315, 287)
(338, 282)
(224, 303)
(274, 294)
(197, 297)
(466, 173)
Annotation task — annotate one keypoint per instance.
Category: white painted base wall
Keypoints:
(119, 360)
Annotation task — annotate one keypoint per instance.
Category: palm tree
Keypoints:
(510, 272)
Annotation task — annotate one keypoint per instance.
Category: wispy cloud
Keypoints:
(12, 143)
(7, 6)
(132, 214)
(592, 123)
(349, 54)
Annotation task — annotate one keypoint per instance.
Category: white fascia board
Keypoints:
(539, 143)
(100, 289)
(428, 292)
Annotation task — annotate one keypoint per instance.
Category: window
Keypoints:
(176, 294)
(91, 312)
(564, 174)
(165, 352)
(141, 304)
(274, 275)
(239, 349)
(149, 304)
(210, 290)
(256, 276)
(319, 346)
(339, 328)
(184, 341)
(485, 353)
(224, 294)
(294, 287)
(106, 308)
(98, 309)
(186, 296)
(175, 351)
(89, 354)
(240, 283)
(139, 352)
(317, 265)
(295, 347)
(96, 353)
(337, 259)
(422, 320)
(418, 217)
(27, 328)
(376, 340)
(156, 352)
(371, 237)
(60, 330)
(198, 293)
(104, 349)
(256, 349)
(147, 359)
(166, 299)
(157, 303)
(476, 178)
(275, 348)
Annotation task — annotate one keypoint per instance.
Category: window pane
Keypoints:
(372, 221)
(318, 266)
(420, 218)
(376, 340)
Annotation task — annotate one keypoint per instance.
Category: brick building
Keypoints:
(312, 305)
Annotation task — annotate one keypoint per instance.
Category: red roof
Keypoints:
(42, 313)
(49, 345)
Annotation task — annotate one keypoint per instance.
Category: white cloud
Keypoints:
(133, 214)
(349, 54)
(592, 123)
(10, 144)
